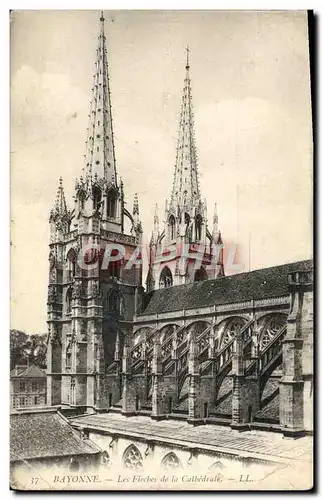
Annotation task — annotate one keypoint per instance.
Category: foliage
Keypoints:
(27, 348)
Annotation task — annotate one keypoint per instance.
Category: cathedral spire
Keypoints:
(186, 187)
(60, 207)
(99, 156)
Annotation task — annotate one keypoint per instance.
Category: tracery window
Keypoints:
(272, 328)
(105, 459)
(231, 330)
(171, 462)
(132, 458)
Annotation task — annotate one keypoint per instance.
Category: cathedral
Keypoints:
(195, 345)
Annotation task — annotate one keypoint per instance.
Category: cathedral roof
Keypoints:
(45, 434)
(259, 284)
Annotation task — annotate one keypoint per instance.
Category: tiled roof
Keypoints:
(31, 371)
(45, 434)
(259, 284)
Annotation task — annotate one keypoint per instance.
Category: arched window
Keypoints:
(171, 462)
(69, 301)
(115, 303)
(96, 198)
(188, 228)
(82, 197)
(132, 458)
(216, 466)
(105, 459)
(172, 227)
(166, 278)
(200, 274)
(111, 204)
(71, 264)
(198, 227)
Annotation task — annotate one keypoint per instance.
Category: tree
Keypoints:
(27, 348)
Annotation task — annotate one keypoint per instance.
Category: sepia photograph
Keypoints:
(161, 247)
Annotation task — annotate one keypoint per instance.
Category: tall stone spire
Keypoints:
(100, 156)
(186, 187)
(60, 207)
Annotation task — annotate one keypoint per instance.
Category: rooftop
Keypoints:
(260, 284)
(265, 445)
(45, 433)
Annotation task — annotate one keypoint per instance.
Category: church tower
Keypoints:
(185, 251)
(92, 292)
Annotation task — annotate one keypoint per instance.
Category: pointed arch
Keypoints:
(198, 227)
(216, 466)
(166, 278)
(97, 197)
(132, 458)
(171, 222)
(115, 302)
(171, 462)
(272, 325)
(111, 203)
(71, 260)
(200, 274)
(233, 326)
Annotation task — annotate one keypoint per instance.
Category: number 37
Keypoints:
(34, 480)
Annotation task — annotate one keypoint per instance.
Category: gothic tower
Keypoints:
(185, 250)
(92, 292)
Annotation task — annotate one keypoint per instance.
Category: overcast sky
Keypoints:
(251, 97)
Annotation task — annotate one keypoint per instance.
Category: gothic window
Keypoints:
(115, 303)
(132, 458)
(69, 301)
(216, 466)
(172, 227)
(171, 462)
(272, 328)
(200, 274)
(96, 198)
(111, 204)
(71, 264)
(82, 199)
(232, 328)
(198, 228)
(166, 279)
(105, 459)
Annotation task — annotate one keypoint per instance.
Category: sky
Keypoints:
(251, 97)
